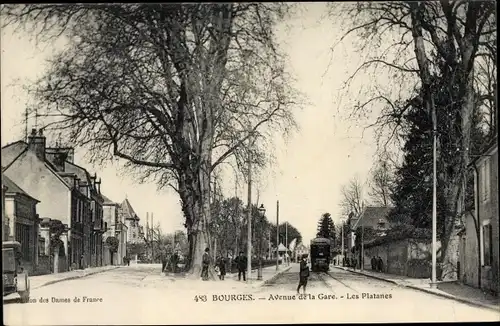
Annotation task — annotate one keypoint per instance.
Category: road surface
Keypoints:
(140, 295)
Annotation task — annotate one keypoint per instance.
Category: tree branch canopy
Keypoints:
(161, 86)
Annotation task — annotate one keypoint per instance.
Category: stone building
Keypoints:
(479, 246)
(21, 222)
(135, 232)
(66, 193)
(116, 228)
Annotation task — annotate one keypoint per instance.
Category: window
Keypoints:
(41, 247)
(79, 214)
(485, 179)
(23, 236)
(93, 212)
(487, 243)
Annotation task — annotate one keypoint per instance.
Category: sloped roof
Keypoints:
(80, 172)
(373, 212)
(11, 152)
(281, 247)
(300, 246)
(108, 201)
(128, 211)
(12, 187)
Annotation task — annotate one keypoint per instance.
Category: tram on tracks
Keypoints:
(320, 254)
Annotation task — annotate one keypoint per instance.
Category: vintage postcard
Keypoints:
(247, 163)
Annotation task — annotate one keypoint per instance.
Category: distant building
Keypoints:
(135, 232)
(371, 217)
(116, 228)
(299, 251)
(481, 226)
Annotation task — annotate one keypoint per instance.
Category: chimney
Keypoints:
(98, 185)
(37, 143)
(92, 179)
(76, 183)
(71, 155)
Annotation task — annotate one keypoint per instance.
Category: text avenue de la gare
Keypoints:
(279, 297)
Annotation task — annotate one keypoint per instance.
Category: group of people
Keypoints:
(241, 264)
(220, 266)
(377, 264)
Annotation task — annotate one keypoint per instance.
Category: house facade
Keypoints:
(373, 222)
(21, 222)
(116, 228)
(299, 251)
(479, 246)
(26, 165)
(135, 232)
(67, 194)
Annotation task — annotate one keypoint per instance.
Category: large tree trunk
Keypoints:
(195, 197)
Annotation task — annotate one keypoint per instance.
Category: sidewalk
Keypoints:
(44, 280)
(450, 290)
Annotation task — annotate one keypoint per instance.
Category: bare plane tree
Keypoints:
(173, 89)
(352, 197)
(380, 183)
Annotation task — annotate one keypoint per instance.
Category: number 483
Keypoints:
(202, 298)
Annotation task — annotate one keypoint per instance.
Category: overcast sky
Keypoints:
(311, 166)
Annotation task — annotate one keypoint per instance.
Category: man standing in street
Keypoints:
(205, 264)
(163, 261)
(303, 274)
(380, 264)
(241, 263)
(374, 263)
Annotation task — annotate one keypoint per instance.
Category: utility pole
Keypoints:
(249, 217)
(269, 242)
(152, 239)
(286, 241)
(434, 197)
(342, 249)
(362, 260)
(26, 124)
(147, 233)
(277, 233)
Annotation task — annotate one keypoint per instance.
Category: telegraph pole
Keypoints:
(362, 260)
(249, 217)
(277, 232)
(286, 241)
(434, 197)
(342, 235)
(152, 239)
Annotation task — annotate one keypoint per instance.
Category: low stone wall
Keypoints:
(407, 257)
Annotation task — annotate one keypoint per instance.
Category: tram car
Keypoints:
(320, 254)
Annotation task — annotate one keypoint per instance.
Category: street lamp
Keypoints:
(262, 213)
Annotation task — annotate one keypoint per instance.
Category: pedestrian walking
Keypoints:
(374, 263)
(175, 261)
(221, 264)
(82, 263)
(380, 264)
(303, 275)
(241, 263)
(164, 262)
(205, 265)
